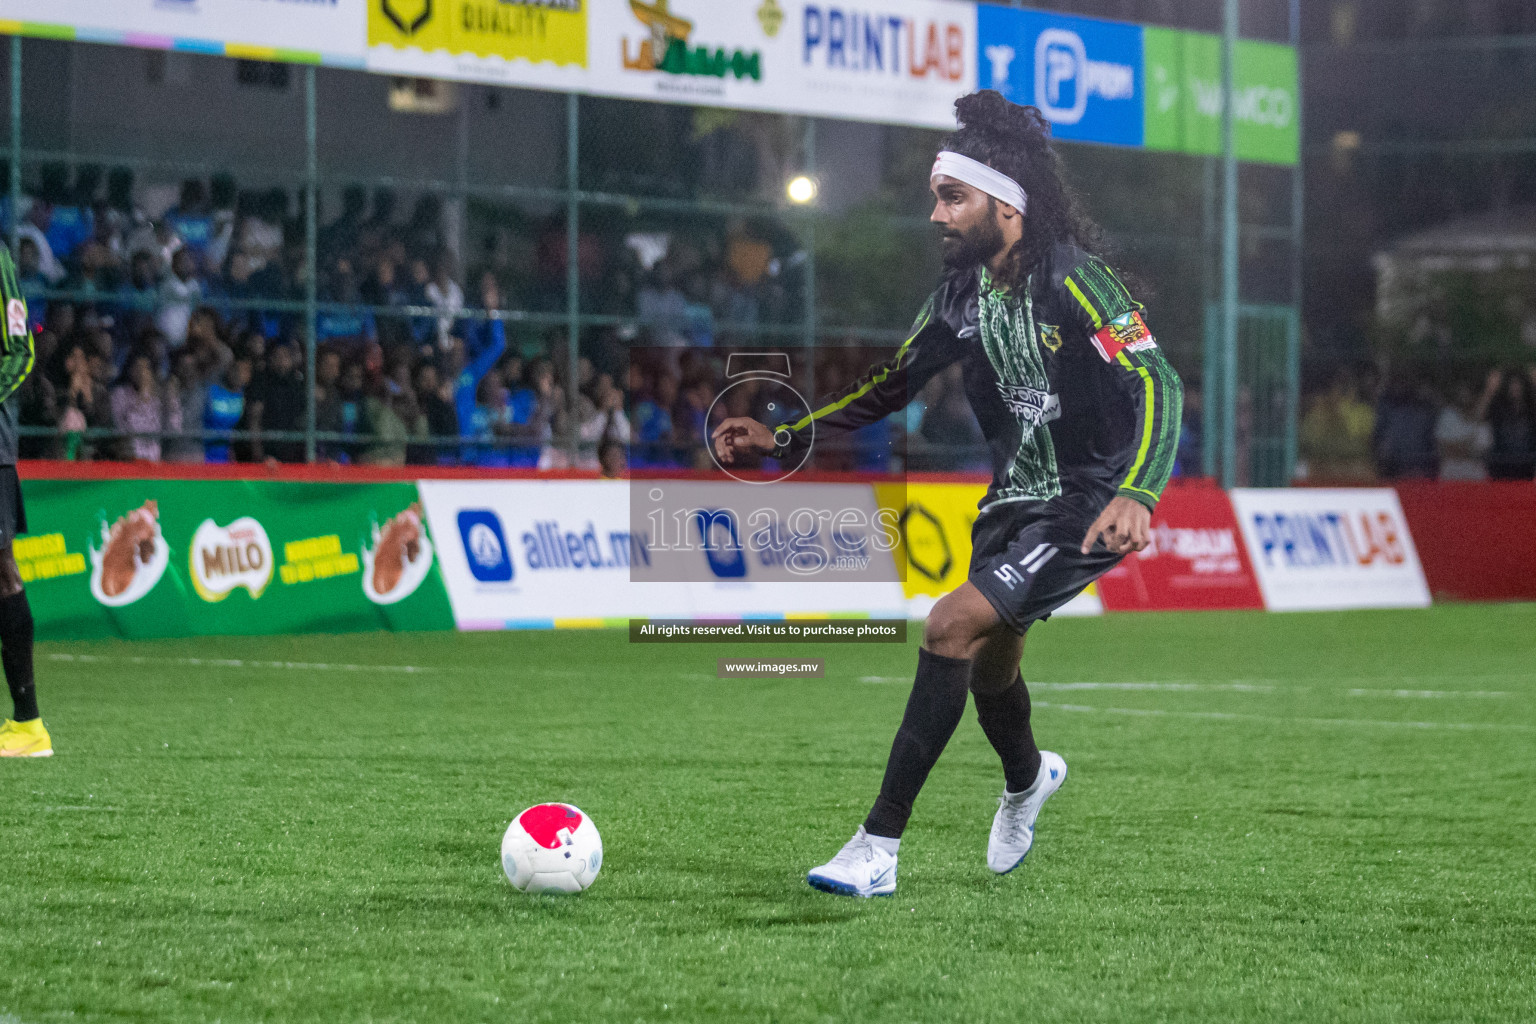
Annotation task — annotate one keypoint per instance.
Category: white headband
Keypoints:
(973, 172)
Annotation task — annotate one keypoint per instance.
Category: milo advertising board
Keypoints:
(158, 558)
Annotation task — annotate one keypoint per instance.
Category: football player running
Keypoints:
(1080, 412)
(24, 736)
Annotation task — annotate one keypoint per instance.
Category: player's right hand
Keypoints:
(741, 434)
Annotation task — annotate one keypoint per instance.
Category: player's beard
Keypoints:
(964, 249)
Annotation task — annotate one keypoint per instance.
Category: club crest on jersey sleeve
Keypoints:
(1128, 333)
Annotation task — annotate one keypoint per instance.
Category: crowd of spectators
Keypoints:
(192, 322)
(182, 336)
(1408, 426)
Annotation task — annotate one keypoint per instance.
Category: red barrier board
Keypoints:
(1474, 538)
(1196, 559)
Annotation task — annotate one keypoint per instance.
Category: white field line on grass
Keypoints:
(1280, 719)
(1271, 686)
(1164, 687)
(1429, 694)
(307, 666)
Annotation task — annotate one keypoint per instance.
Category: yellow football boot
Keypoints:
(25, 739)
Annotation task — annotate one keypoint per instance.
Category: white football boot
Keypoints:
(1013, 828)
(860, 869)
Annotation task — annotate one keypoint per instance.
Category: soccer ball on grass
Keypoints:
(551, 848)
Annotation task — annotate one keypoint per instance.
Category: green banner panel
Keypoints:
(165, 558)
(1183, 97)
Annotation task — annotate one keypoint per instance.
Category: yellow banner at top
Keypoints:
(532, 30)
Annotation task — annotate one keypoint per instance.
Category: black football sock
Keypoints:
(1004, 718)
(16, 653)
(933, 713)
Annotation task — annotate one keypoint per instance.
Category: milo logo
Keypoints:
(226, 557)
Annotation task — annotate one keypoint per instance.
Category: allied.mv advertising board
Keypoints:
(551, 553)
(308, 31)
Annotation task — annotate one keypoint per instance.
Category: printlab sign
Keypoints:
(1331, 549)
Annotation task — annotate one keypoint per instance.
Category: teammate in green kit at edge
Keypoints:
(25, 736)
(1081, 414)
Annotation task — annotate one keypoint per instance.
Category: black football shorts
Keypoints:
(1027, 559)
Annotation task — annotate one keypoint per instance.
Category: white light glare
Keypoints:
(801, 189)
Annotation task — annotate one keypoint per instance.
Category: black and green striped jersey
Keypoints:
(17, 353)
(1071, 391)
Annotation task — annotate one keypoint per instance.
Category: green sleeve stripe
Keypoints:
(1098, 321)
(9, 287)
(17, 354)
(1110, 298)
(841, 403)
(875, 381)
(1172, 414)
(1112, 295)
(1150, 415)
(1154, 461)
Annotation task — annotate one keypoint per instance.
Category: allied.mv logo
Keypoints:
(485, 546)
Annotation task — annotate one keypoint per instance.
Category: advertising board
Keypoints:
(1461, 530)
(1084, 74)
(1196, 559)
(1184, 101)
(903, 60)
(1323, 549)
(543, 553)
(162, 558)
(302, 31)
(895, 61)
(535, 44)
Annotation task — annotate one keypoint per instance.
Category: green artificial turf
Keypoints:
(1312, 818)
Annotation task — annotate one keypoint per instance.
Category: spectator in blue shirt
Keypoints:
(531, 409)
(478, 334)
(653, 424)
(69, 223)
(348, 327)
(487, 423)
(467, 369)
(225, 406)
(192, 220)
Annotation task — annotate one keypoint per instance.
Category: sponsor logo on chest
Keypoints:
(1030, 405)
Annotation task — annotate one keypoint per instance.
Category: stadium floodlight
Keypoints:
(802, 189)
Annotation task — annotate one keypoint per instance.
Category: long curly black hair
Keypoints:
(1016, 140)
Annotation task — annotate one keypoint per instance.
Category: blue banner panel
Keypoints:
(1085, 75)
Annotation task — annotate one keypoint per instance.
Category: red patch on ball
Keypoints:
(544, 822)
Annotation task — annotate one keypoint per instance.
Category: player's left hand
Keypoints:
(1124, 524)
